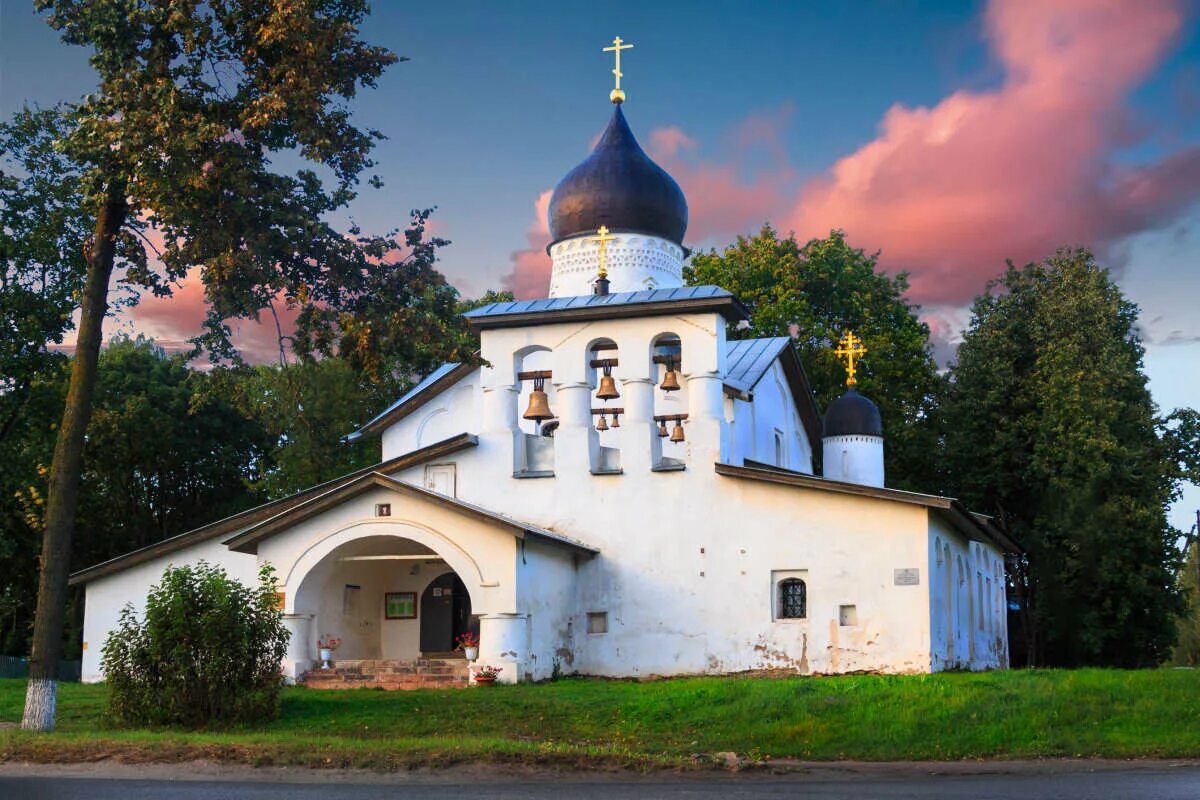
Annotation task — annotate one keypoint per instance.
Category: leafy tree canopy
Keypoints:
(1049, 425)
(814, 292)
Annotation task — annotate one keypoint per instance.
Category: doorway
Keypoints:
(445, 614)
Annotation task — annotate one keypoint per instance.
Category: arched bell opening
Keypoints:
(670, 399)
(537, 418)
(602, 358)
(384, 598)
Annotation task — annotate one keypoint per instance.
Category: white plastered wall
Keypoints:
(105, 597)
(754, 424)
(968, 608)
(548, 599)
(685, 572)
(442, 417)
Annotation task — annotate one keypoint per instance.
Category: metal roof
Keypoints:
(420, 388)
(747, 360)
(598, 301)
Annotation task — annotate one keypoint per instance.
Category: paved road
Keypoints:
(1142, 784)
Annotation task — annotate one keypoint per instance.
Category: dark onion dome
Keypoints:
(619, 186)
(852, 415)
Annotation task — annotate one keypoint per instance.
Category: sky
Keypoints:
(947, 136)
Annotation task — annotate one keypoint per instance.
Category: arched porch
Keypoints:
(397, 596)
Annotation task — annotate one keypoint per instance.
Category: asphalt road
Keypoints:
(1142, 784)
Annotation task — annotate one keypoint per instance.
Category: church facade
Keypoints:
(620, 489)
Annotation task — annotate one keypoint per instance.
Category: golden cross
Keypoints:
(616, 95)
(603, 237)
(850, 347)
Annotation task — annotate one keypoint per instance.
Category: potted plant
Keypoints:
(468, 643)
(486, 675)
(326, 645)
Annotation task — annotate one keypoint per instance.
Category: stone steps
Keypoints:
(422, 673)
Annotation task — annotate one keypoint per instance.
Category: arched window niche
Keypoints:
(533, 446)
(791, 598)
(602, 357)
(670, 404)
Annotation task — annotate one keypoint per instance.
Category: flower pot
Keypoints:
(485, 680)
(326, 658)
(471, 653)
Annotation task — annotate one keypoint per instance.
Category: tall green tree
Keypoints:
(178, 152)
(814, 292)
(164, 455)
(1049, 426)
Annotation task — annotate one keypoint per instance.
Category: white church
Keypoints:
(621, 490)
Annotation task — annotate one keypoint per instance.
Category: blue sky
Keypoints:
(1059, 123)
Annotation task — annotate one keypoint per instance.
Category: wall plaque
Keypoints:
(910, 576)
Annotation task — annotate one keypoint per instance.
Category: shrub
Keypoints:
(206, 651)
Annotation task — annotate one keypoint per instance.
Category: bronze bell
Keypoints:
(662, 429)
(616, 421)
(670, 380)
(608, 388)
(677, 434)
(602, 425)
(539, 404)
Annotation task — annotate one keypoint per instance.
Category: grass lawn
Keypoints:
(1017, 714)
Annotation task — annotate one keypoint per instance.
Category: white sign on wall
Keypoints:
(909, 576)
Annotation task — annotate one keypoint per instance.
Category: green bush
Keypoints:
(205, 652)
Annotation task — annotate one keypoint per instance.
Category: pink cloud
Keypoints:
(950, 191)
(171, 321)
(530, 276)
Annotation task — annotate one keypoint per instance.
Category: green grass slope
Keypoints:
(1017, 714)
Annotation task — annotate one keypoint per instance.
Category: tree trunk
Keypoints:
(63, 495)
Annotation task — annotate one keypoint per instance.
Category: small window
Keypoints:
(847, 616)
(793, 599)
(597, 622)
(383, 509)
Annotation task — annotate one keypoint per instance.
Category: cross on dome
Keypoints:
(602, 238)
(616, 95)
(849, 348)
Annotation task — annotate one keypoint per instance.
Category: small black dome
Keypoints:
(852, 415)
(619, 186)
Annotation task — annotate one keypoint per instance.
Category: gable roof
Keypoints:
(251, 516)
(430, 387)
(587, 307)
(247, 541)
(972, 525)
(747, 361)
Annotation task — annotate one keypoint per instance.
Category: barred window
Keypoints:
(793, 599)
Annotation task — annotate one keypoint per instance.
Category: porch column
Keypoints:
(296, 662)
(504, 643)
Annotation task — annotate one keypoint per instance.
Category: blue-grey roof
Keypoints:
(597, 301)
(420, 388)
(747, 360)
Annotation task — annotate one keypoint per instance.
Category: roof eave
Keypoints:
(394, 415)
(727, 305)
(242, 519)
(247, 541)
(948, 506)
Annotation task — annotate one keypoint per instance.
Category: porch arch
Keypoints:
(457, 559)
